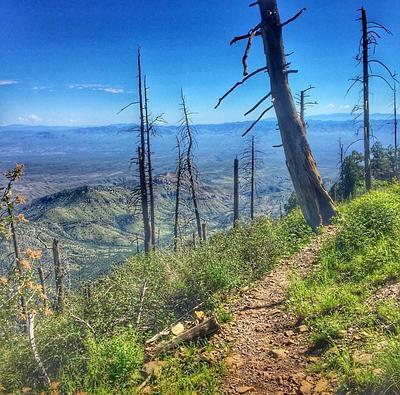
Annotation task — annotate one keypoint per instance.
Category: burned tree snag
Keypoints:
(204, 231)
(315, 202)
(142, 165)
(396, 149)
(59, 276)
(149, 168)
(303, 104)
(365, 60)
(188, 137)
(177, 194)
(235, 192)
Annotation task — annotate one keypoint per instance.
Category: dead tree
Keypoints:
(149, 127)
(204, 231)
(142, 164)
(314, 200)
(250, 162)
(396, 150)
(303, 104)
(59, 276)
(369, 39)
(177, 193)
(235, 192)
(189, 167)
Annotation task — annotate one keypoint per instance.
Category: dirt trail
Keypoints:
(269, 349)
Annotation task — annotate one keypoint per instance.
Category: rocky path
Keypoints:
(269, 348)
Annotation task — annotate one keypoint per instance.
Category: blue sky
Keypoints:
(73, 62)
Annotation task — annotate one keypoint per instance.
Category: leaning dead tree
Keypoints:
(303, 103)
(369, 40)
(395, 121)
(189, 168)
(314, 200)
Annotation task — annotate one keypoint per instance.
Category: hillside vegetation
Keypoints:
(352, 298)
(97, 346)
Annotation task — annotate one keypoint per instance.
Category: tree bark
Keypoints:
(315, 202)
(367, 154)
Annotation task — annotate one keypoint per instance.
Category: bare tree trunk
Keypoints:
(142, 165)
(43, 285)
(302, 109)
(177, 195)
(190, 167)
(32, 343)
(194, 240)
(204, 231)
(143, 196)
(150, 169)
(252, 186)
(235, 192)
(315, 202)
(59, 276)
(367, 137)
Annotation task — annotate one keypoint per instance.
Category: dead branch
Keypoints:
(200, 331)
(244, 37)
(258, 120)
(240, 83)
(32, 343)
(293, 18)
(260, 102)
(122, 109)
(82, 321)
(252, 34)
(142, 295)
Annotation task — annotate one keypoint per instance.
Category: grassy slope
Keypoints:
(109, 355)
(357, 332)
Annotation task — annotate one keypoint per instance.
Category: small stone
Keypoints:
(302, 329)
(306, 388)
(313, 359)
(361, 358)
(278, 353)
(245, 389)
(321, 386)
(289, 333)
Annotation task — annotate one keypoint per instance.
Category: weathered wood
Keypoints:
(314, 200)
(204, 231)
(252, 181)
(177, 194)
(200, 331)
(59, 276)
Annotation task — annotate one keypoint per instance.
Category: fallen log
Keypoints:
(200, 331)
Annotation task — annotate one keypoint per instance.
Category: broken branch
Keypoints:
(260, 102)
(293, 18)
(256, 121)
(240, 83)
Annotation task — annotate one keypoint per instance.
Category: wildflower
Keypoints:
(33, 254)
(20, 199)
(3, 280)
(21, 218)
(48, 312)
(25, 264)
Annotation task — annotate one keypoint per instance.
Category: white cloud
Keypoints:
(96, 87)
(8, 82)
(331, 105)
(345, 107)
(33, 118)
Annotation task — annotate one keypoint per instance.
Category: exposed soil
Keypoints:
(270, 351)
